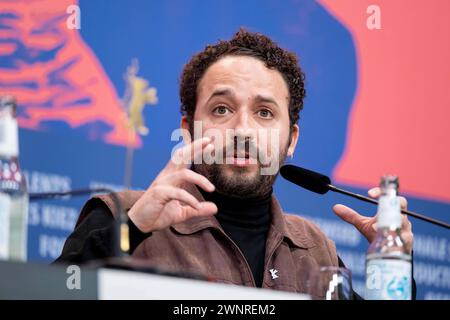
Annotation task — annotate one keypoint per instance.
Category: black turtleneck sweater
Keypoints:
(246, 222)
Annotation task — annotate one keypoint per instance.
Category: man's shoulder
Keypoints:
(116, 202)
(296, 221)
(305, 232)
(125, 199)
(299, 226)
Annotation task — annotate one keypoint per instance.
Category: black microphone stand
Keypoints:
(319, 183)
(373, 201)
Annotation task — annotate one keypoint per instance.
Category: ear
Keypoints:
(295, 133)
(184, 125)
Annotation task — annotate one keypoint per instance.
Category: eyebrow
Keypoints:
(227, 92)
(262, 98)
(221, 92)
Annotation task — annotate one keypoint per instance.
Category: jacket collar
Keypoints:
(280, 227)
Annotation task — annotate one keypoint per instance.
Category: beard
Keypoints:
(240, 182)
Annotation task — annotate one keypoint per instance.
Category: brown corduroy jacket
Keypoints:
(294, 248)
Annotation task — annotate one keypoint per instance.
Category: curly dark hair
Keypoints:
(251, 44)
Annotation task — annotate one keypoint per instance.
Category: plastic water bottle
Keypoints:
(388, 264)
(13, 189)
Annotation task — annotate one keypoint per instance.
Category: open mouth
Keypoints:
(241, 159)
(241, 155)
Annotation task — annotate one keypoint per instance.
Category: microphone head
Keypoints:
(307, 179)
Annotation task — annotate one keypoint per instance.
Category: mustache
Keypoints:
(269, 162)
(245, 148)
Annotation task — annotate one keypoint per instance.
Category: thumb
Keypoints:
(205, 208)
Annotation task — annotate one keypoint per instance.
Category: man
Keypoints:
(220, 217)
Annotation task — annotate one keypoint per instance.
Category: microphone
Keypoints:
(319, 183)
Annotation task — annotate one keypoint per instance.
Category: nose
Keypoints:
(243, 133)
(243, 126)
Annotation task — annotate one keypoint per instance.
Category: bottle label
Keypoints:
(5, 208)
(388, 214)
(388, 279)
